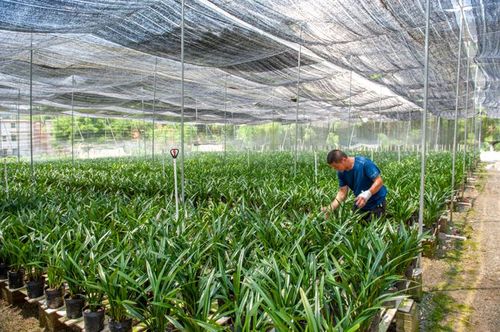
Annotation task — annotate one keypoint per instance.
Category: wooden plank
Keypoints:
(35, 300)
(80, 324)
(387, 319)
(51, 319)
(12, 296)
(106, 326)
(406, 305)
(50, 311)
(15, 289)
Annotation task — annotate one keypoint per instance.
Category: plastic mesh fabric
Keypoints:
(358, 58)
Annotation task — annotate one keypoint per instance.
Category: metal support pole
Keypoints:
(31, 108)
(297, 107)
(350, 104)
(143, 122)
(438, 125)
(196, 111)
(273, 128)
(225, 116)
(182, 109)
(154, 117)
(380, 122)
(474, 116)
(6, 178)
(464, 168)
(408, 129)
(18, 125)
(453, 165)
(480, 129)
(379, 132)
(72, 121)
(424, 123)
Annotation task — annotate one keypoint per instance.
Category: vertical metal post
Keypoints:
(350, 102)
(196, 111)
(182, 108)
(18, 125)
(225, 116)
(176, 191)
(315, 167)
(6, 178)
(273, 128)
(143, 122)
(72, 121)
(297, 107)
(474, 115)
(480, 129)
(408, 129)
(379, 132)
(438, 125)
(424, 122)
(31, 107)
(464, 168)
(374, 122)
(154, 115)
(456, 115)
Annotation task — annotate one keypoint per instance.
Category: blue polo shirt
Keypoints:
(360, 178)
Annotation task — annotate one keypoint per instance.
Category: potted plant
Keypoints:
(119, 286)
(34, 265)
(3, 269)
(36, 281)
(72, 260)
(93, 312)
(4, 266)
(161, 292)
(54, 291)
(86, 276)
(16, 251)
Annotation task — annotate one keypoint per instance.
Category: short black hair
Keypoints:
(335, 156)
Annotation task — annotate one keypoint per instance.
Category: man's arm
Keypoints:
(363, 198)
(341, 196)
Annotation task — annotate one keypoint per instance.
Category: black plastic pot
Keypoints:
(16, 279)
(54, 298)
(35, 288)
(3, 270)
(123, 326)
(93, 320)
(74, 306)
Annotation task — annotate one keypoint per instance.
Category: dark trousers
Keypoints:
(368, 215)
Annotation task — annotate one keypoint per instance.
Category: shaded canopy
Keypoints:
(357, 58)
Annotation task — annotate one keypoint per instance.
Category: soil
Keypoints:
(462, 288)
(22, 318)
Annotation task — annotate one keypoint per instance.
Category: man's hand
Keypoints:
(326, 210)
(363, 198)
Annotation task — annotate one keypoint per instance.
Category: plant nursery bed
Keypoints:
(463, 206)
(3, 284)
(49, 318)
(12, 296)
(386, 318)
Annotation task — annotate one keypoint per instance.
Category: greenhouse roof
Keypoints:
(357, 58)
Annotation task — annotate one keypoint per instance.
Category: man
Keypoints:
(362, 176)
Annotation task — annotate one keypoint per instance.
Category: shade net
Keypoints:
(358, 59)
